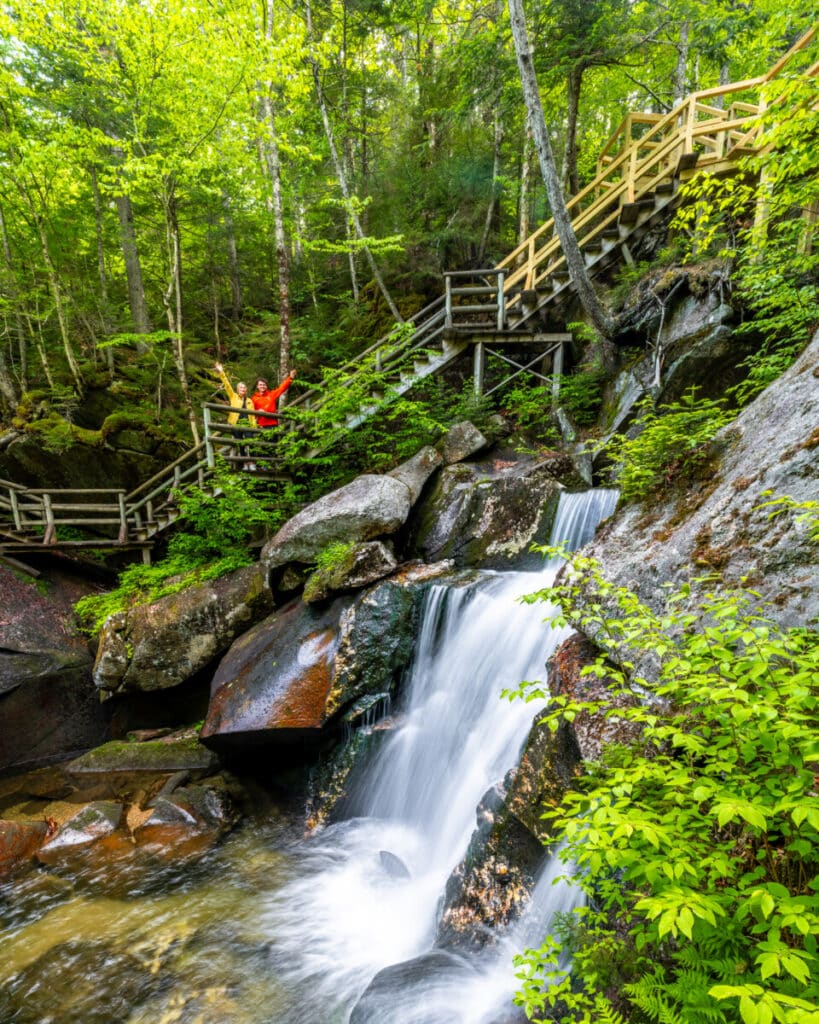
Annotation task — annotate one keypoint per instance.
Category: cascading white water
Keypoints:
(352, 910)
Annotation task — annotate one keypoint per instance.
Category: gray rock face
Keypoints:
(160, 645)
(88, 826)
(302, 667)
(461, 441)
(45, 670)
(719, 526)
(368, 507)
(416, 471)
(364, 564)
(487, 515)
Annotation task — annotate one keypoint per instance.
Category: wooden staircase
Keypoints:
(639, 173)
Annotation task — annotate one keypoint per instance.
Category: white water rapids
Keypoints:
(344, 917)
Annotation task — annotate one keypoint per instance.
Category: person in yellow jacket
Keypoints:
(242, 404)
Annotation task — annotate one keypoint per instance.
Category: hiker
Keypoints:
(268, 401)
(242, 403)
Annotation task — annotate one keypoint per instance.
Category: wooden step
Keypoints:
(631, 212)
(686, 162)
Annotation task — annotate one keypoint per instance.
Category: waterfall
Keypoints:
(368, 888)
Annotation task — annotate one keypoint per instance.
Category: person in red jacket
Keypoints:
(268, 401)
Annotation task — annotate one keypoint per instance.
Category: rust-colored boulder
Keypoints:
(19, 842)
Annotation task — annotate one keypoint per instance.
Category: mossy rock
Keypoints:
(150, 756)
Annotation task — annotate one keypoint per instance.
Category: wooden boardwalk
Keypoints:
(482, 312)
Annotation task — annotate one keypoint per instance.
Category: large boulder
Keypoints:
(162, 644)
(370, 506)
(48, 704)
(303, 666)
(416, 471)
(19, 842)
(461, 441)
(424, 990)
(487, 514)
(721, 524)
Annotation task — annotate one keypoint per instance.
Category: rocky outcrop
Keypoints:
(160, 645)
(416, 471)
(490, 888)
(487, 514)
(93, 823)
(48, 705)
(406, 992)
(368, 507)
(721, 524)
(293, 673)
(360, 565)
(19, 842)
(461, 441)
(188, 821)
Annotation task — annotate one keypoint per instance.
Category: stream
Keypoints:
(273, 928)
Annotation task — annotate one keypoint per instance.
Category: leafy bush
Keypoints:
(697, 845)
(672, 440)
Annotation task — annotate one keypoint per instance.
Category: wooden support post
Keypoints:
(557, 373)
(146, 556)
(479, 364)
(530, 264)
(209, 440)
(448, 301)
(624, 249)
(50, 535)
(501, 302)
(15, 509)
(123, 520)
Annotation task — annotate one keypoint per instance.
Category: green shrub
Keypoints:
(672, 440)
(698, 843)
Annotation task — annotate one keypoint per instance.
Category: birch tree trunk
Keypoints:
(133, 268)
(496, 170)
(22, 350)
(679, 84)
(342, 181)
(563, 225)
(105, 311)
(525, 199)
(56, 294)
(233, 261)
(574, 81)
(173, 300)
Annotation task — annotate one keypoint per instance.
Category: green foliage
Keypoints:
(531, 410)
(762, 223)
(333, 556)
(213, 540)
(808, 511)
(672, 441)
(697, 843)
(581, 394)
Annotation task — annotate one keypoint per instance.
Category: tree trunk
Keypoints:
(525, 200)
(56, 294)
(679, 85)
(273, 163)
(22, 351)
(133, 267)
(105, 311)
(574, 81)
(496, 170)
(342, 181)
(173, 300)
(233, 261)
(563, 225)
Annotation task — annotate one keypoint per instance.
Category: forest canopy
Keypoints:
(276, 185)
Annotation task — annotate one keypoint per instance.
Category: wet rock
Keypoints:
(487, 515)
(79, 981)
(19, 842)
(48, 704)
(363, 564)
(95, 822)
(407, 991)
(167, 754)
(416, 471)
(187, 822)
(368, 507)
(303, 666)
(491, 887)
(332, 780)
(461, 441)
(719, 524)
(163, 644)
